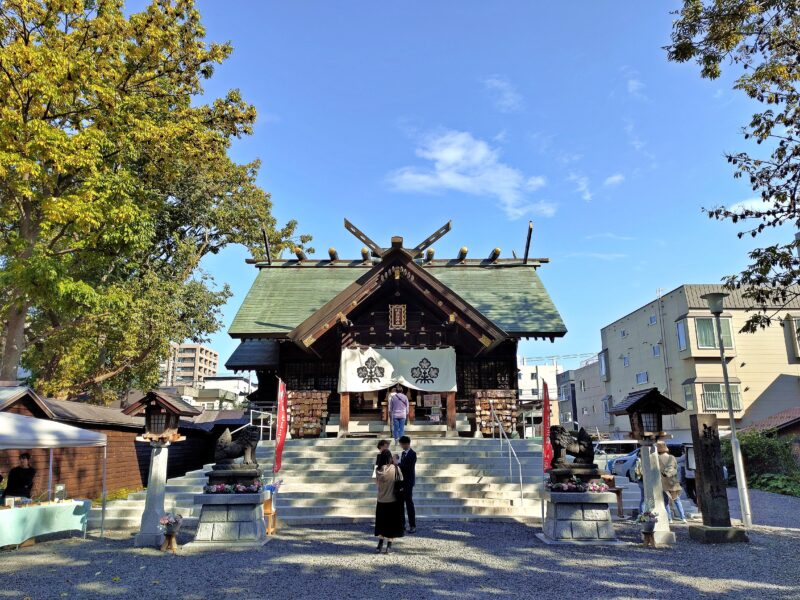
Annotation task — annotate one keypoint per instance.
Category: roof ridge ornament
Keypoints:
(397, 241)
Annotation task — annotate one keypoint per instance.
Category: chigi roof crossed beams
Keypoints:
(491, 299)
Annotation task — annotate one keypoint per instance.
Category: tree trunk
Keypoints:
(14, 340)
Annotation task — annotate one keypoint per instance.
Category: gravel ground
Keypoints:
(443, 560)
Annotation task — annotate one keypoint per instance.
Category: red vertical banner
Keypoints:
(547, 446)
(280, 429)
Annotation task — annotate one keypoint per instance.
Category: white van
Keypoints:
(606, 450)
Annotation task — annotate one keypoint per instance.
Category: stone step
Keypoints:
(533, 518)
(331, 477)
(370, 443)
(427, 509)
(450, 454)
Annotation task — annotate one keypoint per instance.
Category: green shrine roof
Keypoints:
(509, 294)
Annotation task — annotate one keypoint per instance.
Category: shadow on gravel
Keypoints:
(444, 560)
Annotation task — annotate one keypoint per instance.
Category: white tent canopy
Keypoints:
(18, 431)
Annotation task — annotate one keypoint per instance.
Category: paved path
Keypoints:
(444, 560)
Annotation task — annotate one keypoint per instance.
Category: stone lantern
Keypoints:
(161, 416)
(646, 410)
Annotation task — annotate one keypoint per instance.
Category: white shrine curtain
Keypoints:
(372, 369)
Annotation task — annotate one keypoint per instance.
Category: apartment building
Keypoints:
(531, 377)
(589, 391)
(567, 406)
(671, 344)
(188, 364)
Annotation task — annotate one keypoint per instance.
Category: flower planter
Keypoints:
(648, 527)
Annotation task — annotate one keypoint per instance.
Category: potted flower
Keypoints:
(648, 520)
(170, 523)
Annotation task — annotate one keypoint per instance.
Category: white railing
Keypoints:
(511, 452)
(717, 401)
(260, 416)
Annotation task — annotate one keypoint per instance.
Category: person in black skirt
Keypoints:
(389, 513)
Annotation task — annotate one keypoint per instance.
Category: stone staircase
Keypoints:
(329, 480)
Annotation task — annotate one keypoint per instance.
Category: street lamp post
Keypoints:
(715, 301)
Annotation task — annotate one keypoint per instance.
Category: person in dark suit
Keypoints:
(20, 479)
(408, 465)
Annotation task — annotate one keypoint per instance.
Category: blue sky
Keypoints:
(402, 116)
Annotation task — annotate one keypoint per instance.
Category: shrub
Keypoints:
(780, 484)
(763, 453)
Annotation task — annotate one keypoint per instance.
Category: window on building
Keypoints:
(535, 376)
(642, 377)
(688, 396)
(680, 329)
(519, 375)
(714, 398)
(585, 410)
(626, 361)
(656, 350)
(623, 333)
(653, 320)
(535, 392)
(707, 332)
(583, 385)
(602, 362)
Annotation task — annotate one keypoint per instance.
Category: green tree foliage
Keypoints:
(763, 452)
(760, 41)
(115, 181)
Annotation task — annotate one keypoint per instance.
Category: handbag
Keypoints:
(399, 486)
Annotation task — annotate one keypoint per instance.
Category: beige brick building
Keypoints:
(671, 344)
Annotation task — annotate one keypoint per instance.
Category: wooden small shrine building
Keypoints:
(341, 332)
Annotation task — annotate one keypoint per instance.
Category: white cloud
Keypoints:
(501, 137)
(637, 143)
(463, 163)
(506, 97)
(609, 236)
(536, 182)
(607, 256)
(614, 179)
(756, 204)
(634, 85)
(581, 185)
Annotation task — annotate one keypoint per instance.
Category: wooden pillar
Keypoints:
(451, 414)
(344, 413)
(412, 394)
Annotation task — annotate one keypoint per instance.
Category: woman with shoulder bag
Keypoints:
(669, 480)
(389, 513)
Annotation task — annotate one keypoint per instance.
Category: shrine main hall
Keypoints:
(341, 332)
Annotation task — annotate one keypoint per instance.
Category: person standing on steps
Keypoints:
(398, 411)
(408, 466)
(389, 513)
(382, 445)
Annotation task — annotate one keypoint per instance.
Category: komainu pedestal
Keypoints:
(578, 518)
(229, 521)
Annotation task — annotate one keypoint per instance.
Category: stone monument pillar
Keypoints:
(149, 533)
(654, 492)
(712, 495)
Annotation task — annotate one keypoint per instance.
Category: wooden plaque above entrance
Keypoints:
(397, 316)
